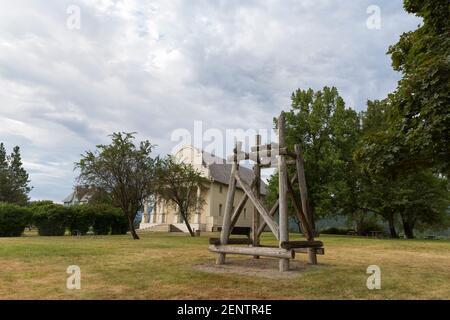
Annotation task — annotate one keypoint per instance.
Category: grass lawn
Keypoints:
(175, 266)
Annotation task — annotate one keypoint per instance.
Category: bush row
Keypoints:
(53, 219)
(13, 220)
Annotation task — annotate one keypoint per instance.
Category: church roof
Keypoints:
(221, 173)
(219, 170)
(70, 198)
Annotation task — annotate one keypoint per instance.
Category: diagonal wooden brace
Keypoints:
(259, 206)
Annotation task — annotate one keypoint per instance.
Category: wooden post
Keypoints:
(229, 204)
(282, 186)
(304, 198)
(257, 191)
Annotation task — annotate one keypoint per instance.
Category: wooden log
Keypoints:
(283, 193)
(265, 147)
(240, 157)
(304, 197)
(273, 210)
(299, 213)
(257, 191)
(301, 244)
(259, 206)
(302, 185)
(225, 233)
(255, 251)
(319, 251)
(238, 210)
(231, 241)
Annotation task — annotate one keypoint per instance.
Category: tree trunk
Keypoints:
(390, 220)
(408, 228)
(313, 220)
(132, 229)
(299, 226)
(188, 225)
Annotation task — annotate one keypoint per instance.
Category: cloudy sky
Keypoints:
(156, 66)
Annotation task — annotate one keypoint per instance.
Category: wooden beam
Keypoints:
(301, 244)
(302, 184)
(299, 213)
(273, 210)
(259, 205)
(255, 251)
(320, 251)
(304, 197)
(257, 191)
(225, 233)
(216, 241)
(265, 147)
(283, 192)
(238, 210)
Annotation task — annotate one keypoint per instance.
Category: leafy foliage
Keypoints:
(14, 180)
(123, 170)
(13, 220)
(51, 219)
(421, 103)
(82, 218)
(327, 132)
(178, 182)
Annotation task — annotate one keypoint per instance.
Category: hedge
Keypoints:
(120, 223)
(82, 218)
(13, 220)
(51, 219)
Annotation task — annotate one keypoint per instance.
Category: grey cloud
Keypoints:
(152, 67)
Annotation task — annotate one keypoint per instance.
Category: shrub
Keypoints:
(81, 219)
(51, 219)
(13, 220)
(120, 223)
(104, 217)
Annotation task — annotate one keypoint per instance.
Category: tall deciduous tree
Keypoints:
(178, 182)
(123, 169)
(327, 132)
(422, 99)
(415, 197)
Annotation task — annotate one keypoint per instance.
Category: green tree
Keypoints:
(327, 132)
(423, 199)
(178, 182)
(14, 179)
(415, 197)
(422, 99)
(123, 169)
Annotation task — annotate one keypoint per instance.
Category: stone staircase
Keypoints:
(160, 227)
(156, 227)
